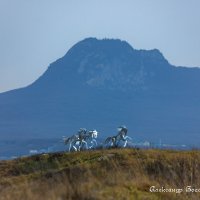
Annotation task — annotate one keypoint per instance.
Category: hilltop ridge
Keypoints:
(101, 174)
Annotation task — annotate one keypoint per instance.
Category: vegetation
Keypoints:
(101, 174)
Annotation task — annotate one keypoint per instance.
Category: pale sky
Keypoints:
(34, 33)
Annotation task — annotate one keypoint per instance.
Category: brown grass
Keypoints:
(101, 174)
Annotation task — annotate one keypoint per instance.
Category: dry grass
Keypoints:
(101, 174)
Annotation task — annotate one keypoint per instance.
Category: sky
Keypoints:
(35, 33)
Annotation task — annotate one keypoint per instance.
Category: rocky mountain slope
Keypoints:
(102, 84)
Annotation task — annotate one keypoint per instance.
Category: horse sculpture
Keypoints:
(92, 135)
(82, 135)
(78, 142)
(72, 141)
(84, 139)
(121, 137)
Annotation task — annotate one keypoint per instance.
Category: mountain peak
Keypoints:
(104, 41)
(108, 63)
(110, 46)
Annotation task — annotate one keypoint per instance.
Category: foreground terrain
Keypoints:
(101, 174)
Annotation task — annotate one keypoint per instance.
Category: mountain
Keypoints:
(102, 84)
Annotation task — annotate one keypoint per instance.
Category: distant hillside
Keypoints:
(103, 174)
(102, 84)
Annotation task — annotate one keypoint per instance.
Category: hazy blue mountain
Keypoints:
(102, 84)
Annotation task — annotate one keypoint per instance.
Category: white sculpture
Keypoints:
(121, 137)
(79, 141)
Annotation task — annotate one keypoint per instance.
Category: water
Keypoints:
(11, 149)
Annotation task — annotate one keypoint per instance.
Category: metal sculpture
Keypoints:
(73, 142)
(84, 139)
(82, 135)
(91, 138)
(121, 137)
(79, 141)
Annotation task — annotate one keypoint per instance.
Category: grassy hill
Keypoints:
(101, 174)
